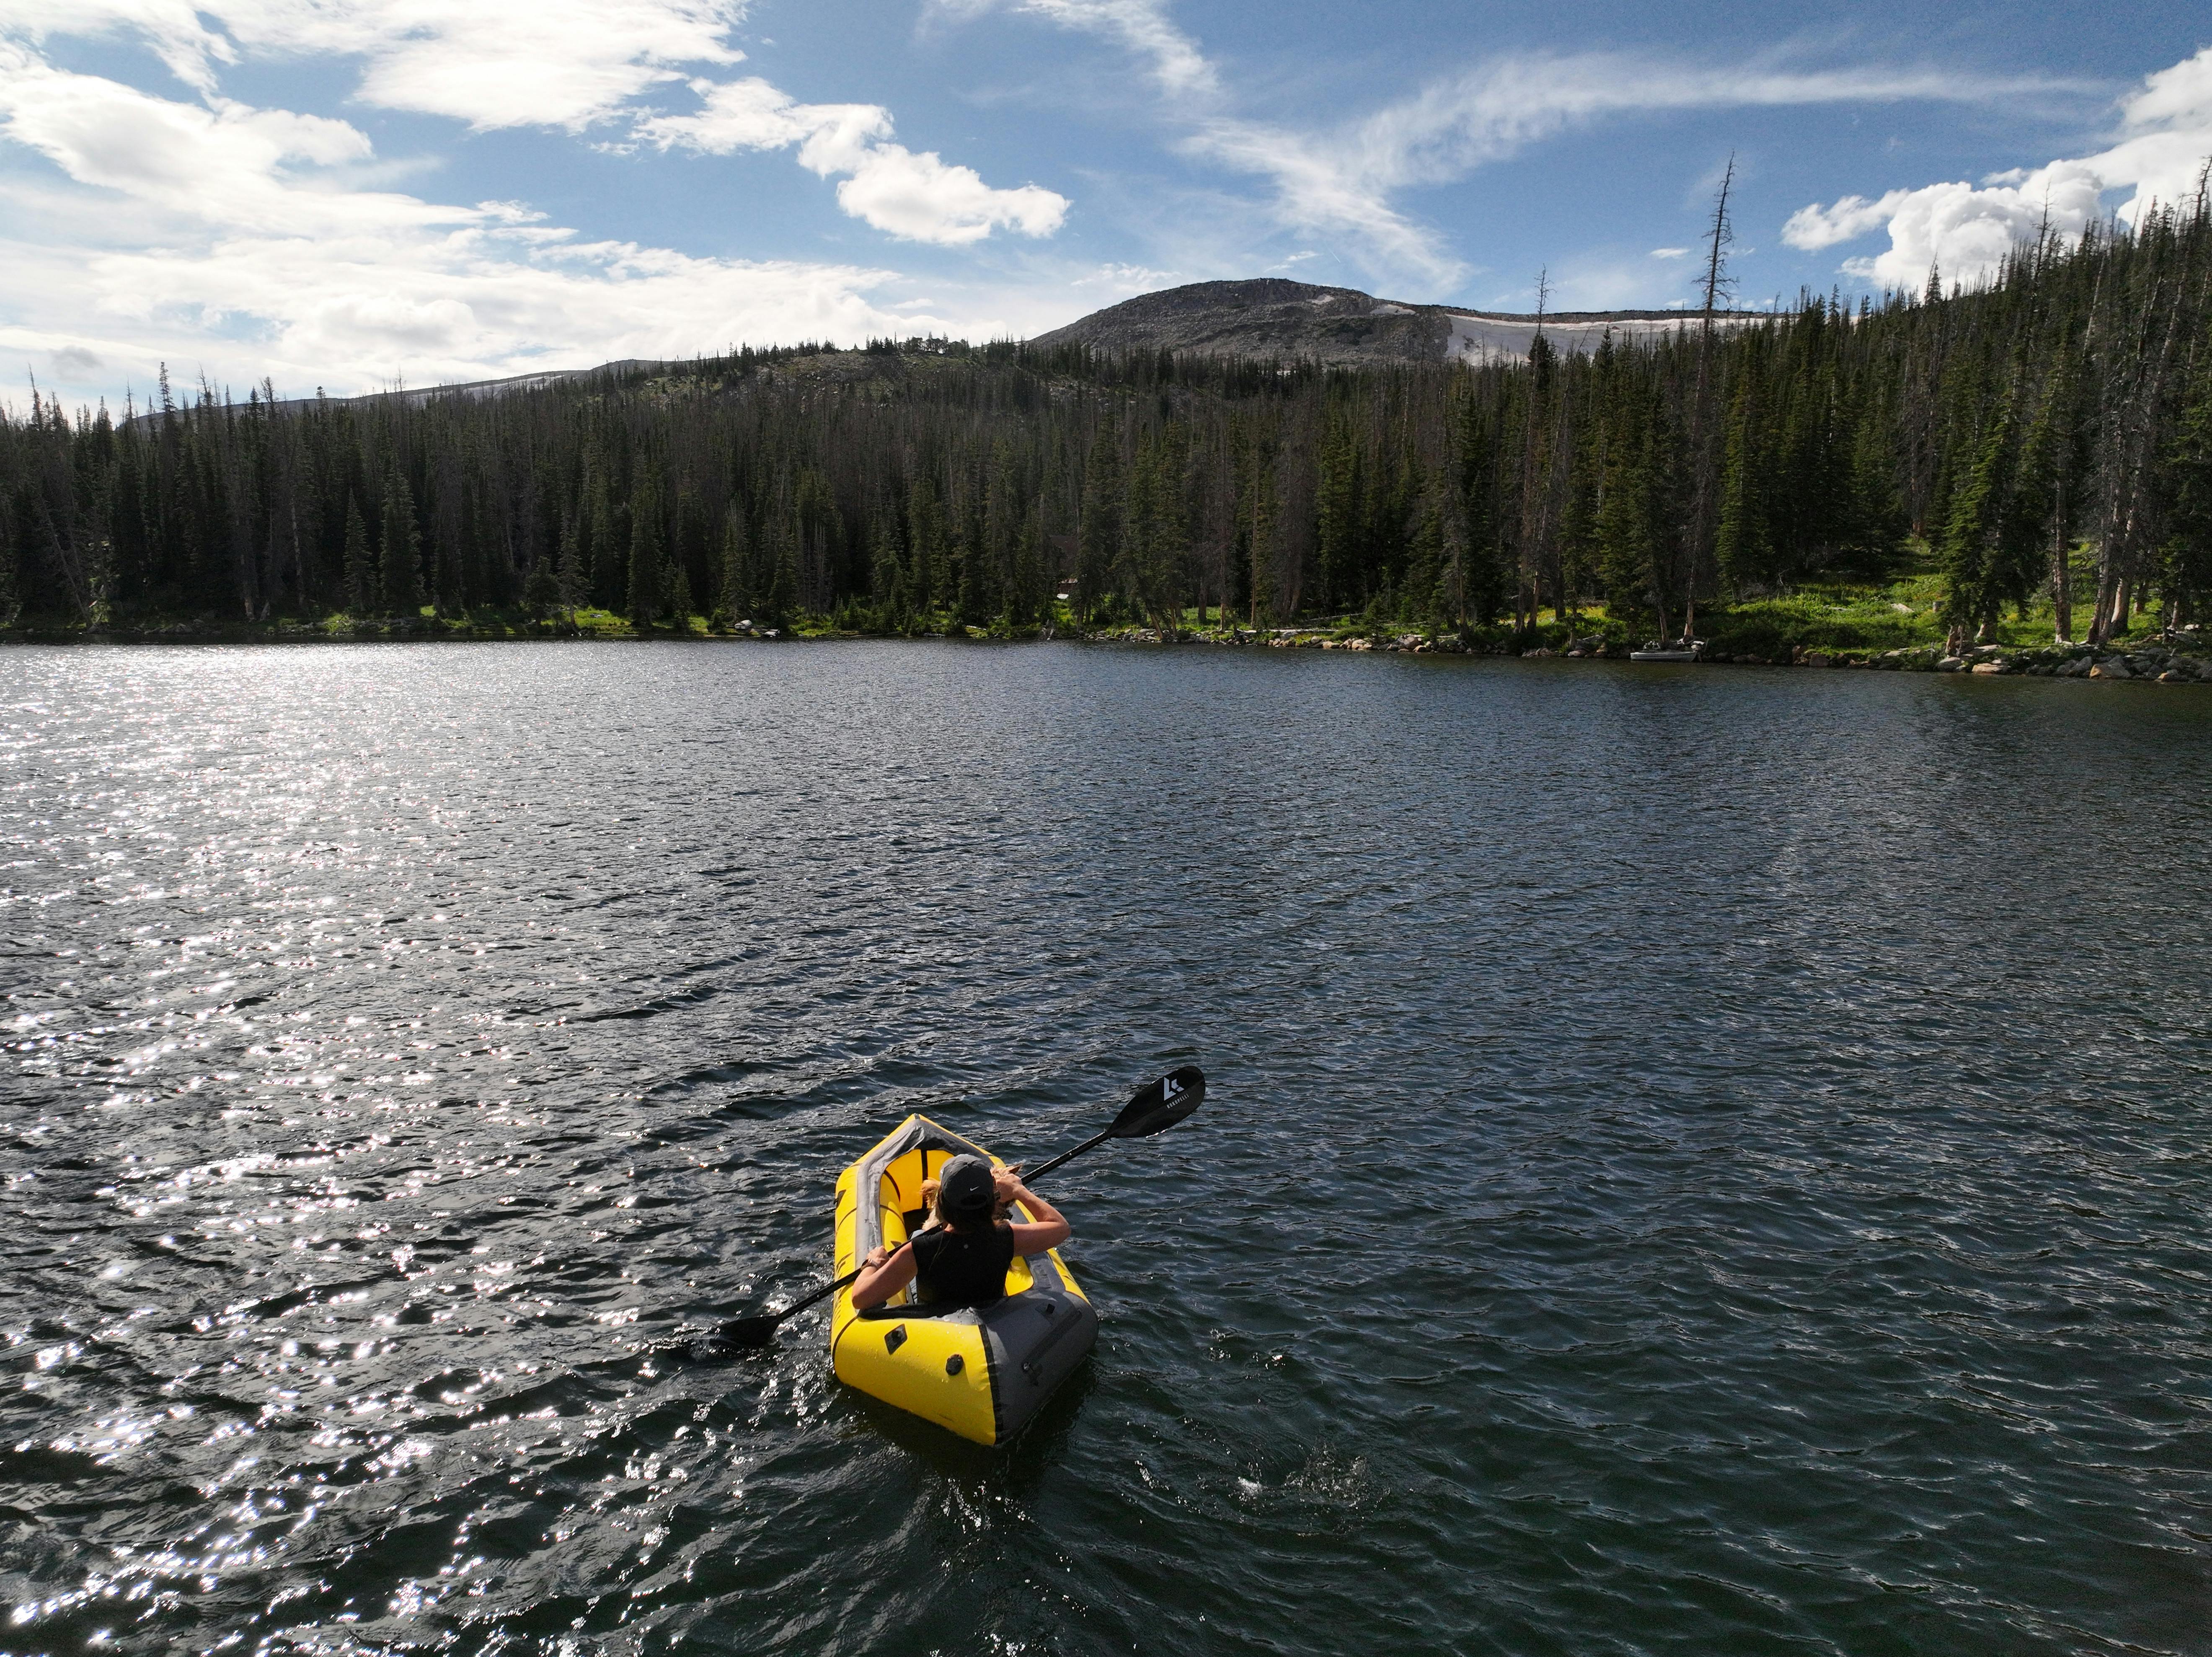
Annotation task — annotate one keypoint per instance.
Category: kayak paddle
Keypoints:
(1153, 1108)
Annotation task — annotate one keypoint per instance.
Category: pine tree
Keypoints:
(643, 601)
(887, 578)
(11, 590)
(733, 602)
(2187, 484)
(1876, 504)
(780, 601)
(1476, 453)
(1973, 566)
(925, 520)
(1337, 501)
(1002, 520)
(1263, 532)
(573, 581)
(401, 563)
(361, 582)
(1030, 597)
(1435, 581)
(676, 587)
(541, 592)
(607, 538)
(1741, 544)
(1098, 533)
(1626, 538)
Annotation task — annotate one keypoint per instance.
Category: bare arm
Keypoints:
(884, 1274)
(1047, 1229)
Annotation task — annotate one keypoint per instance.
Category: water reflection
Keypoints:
(1696, 1161)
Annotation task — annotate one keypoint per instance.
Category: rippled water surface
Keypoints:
(1697, 1161)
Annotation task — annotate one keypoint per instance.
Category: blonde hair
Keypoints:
(931, 1190)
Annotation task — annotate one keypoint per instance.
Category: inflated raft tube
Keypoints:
(982, 1372)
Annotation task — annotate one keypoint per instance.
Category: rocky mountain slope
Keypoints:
(1273, 318)
(1265, 318)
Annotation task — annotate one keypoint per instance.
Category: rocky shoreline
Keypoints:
(2182, 659)
(2162, 664)
(2184, 662)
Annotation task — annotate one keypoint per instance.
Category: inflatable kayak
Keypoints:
(982, 1372)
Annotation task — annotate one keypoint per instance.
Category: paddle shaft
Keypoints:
(822, 1293)
(1098, 1138)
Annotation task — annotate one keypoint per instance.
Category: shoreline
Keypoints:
(2187, 660)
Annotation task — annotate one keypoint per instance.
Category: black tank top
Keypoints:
(963, 1268)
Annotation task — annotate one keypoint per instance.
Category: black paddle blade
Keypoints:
(748, 1333)
(1160, 1105)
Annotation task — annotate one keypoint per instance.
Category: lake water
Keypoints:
(1696, 1161)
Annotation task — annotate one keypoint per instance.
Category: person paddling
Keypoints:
(964, 1261)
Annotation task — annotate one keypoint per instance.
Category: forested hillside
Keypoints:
(2046, 441)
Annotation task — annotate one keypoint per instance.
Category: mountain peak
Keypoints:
(1274, 317)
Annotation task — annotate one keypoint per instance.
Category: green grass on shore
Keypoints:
(1904, 614)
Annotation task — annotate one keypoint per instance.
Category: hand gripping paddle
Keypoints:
(1153, 1108)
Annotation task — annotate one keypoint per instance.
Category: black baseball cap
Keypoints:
(966, 1186)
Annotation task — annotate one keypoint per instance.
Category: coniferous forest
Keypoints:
(2042, 444)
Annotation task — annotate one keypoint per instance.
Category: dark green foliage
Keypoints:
(2188, 549)
(400, 567)
(643, 598)
(779, 593)
(571, 572)
(541, 592)
(1632, 526)
(1979, 554)
(361, 582)
(734, 601)
(10, 589)
(2056, 426)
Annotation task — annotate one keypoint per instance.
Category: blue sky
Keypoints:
(352, 193)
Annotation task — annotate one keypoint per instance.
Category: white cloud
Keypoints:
(566, 63)
(2163, 141)
(223, 161)
(1344, 181)
(231, 233)
(172, 27)
(919, 197)
(1502, 106)
(1322, 186)
(751, 114)
(490, 63)
(1814, 228)
(889, 186)
(1143, 27)
(1669, 253)
(1177, 65)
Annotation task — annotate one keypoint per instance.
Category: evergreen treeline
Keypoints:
(2049, 435)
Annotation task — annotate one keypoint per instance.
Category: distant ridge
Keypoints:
(1273, 317)
(414, 397)
(1262, 318)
